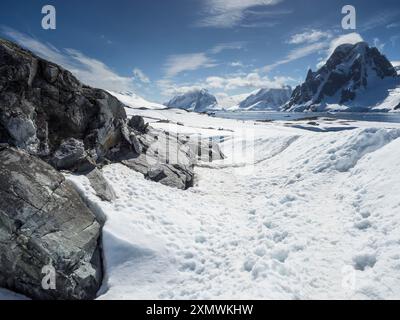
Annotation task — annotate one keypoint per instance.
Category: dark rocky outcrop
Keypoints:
(43, 221)
(46, 111)
(350, 69)
(42, 105)
(50, 121)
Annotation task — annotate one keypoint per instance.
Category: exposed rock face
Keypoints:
(42, 105)
(43, 221)
(350, 69)
(267, 99)
(46, 111)
(195, 100)
(165, 159)
(47, 115)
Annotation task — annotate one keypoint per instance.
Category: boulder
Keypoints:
(166, 158)
(71, 155)
(137, 123)
(44, 223)
(100, 185)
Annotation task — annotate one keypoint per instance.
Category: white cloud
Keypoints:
(251, 81)
(395, 63)
(227, 46)
(169, 88)
(236, 64)
(88, 70)
(187, 62)
(296, 54)
(140, 75)
(378, 44)
(350, 38)
(393, 25)
(228, 13)
(310, 36)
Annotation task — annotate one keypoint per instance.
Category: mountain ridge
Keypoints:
(354, 78)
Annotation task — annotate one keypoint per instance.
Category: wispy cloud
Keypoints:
(309, 36)
(296, 54)
(249, 81)
(229, 13)
(384, 18)
(179, 63)
(227, 46)
(168, 88)
(227, 83)
(393, 25)
(324, 46)
(90, 71)
(140, 75)
(350, 38)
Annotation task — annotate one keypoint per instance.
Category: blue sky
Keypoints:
(158, 48)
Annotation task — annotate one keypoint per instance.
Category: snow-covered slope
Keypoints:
(355, 78)
(290, 213)
(231, 102)
(194, 100)
(267, 99)
(134, 101)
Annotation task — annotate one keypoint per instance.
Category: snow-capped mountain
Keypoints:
(194, 100)
(355, 78)
(267, 99)
(134, 101)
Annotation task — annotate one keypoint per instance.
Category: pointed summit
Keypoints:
(349, 70)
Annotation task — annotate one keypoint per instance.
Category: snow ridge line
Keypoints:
(344, 157)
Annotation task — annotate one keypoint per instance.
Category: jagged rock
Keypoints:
(42, 105)
(350, 72)
(43, 221)
(71, 155)
(166, 159)
(103, 189)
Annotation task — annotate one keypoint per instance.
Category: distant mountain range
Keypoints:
(202, 100)
(354, 78)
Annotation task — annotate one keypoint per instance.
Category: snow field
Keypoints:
(307, 215)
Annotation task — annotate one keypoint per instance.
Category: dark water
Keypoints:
(290, 116)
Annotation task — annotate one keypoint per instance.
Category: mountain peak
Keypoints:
(350, 68)
(199, 100)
